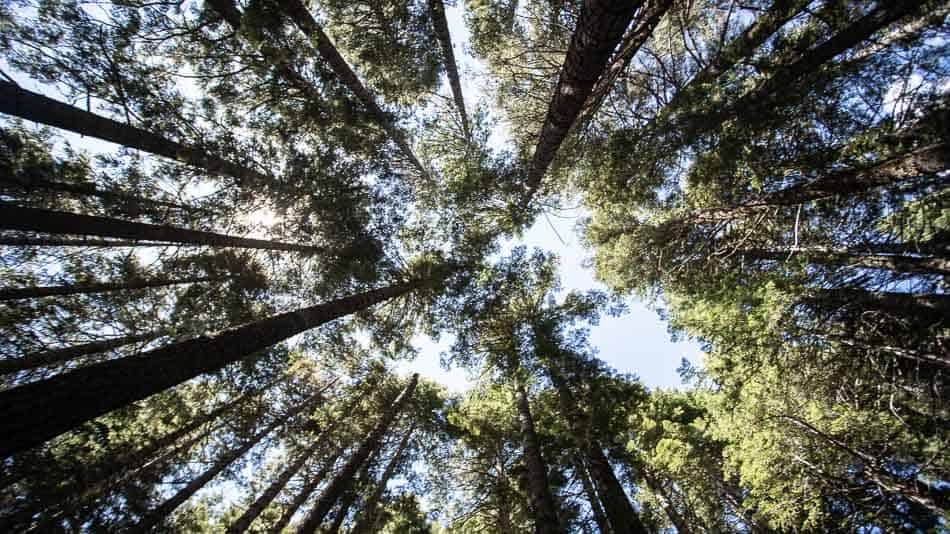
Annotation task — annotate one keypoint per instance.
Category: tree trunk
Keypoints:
(344, 477)
(265, 499)
(155, 516)
(669, 507)
(38, 108)
(598, 512)
(856, 258)
(77, 242)
(632, 42)
(60, 222)
(54, 356)
(88, 189)
(298, 12)
(931, 308)
(441, 27)
(502, 491)
(539, 492)
(599, 29)
(349, 496)
(33, 413)
(104, 287)
(367, 517)
(305, 492)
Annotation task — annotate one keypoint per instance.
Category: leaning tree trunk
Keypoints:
(304, 493)
(38, 108)
(595, 507)
(539, 492)
(267, 497)
(349, 496)
(599, 29)
(60, 222)
(104, 287)
(72, 242)
(669, 507)
(65, 354)
(918, 265)
(927, 308)
(33, 413)
(367, 517)
(158, 514)
(298, 12)
(441, 27)
(344, 477)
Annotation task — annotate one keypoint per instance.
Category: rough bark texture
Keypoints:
(55, 356)
(33, 413)
(599, 29)
(367, 516)
(298, 12)
(844, 257)
(304, 493)
(38, 108)
(441, 27)
(155, 516)
(344, 477)
(77, 289)
(595, 507)
(539, 492)
(60, 222)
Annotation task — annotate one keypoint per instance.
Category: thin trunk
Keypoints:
(596, 509)
(669, 507)
(141, 204)
(299, 14)
(38, 108)
(70, 242)
(929, 307)
(55, 356)
(856, 258)
(104, 287)
(60, 222)
(441, 27)
(631, 44)
(158, 514)
(367, 517)
(304, 493)
(599, 29)
(539, 492)
(344, 477)
(349, 496)
(261, 503)
(33, 413)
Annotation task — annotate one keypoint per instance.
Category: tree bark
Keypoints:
(599, 29)
(261, 503)
(367, 517)
(927, 308)
(54, 356)
(155, 516)
(304, 493)
(595, 507)
(299, 14)
(539, 492)
(344, 477)
(103, 287)
(349, 496)
(38, 108)
(856, 258)
(441, 27)
(33, 413)
(669, 507)
(60, 222)
(77, 242)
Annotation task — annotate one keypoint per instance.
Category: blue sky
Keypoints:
(636, 342)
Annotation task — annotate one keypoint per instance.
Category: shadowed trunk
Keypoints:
(367, 517)
(299, 14)
(599, 29)
(344, 477)
(539, 492)
(38, 108)
(856, 258)
(104, 287)
(155, 516)
(669, 507)
(54, 356)
(441, 27)
(304, 493)
(928, 308)
(60, 222)
(350, 494)
(33, 413)
(261, 503)
(73, 242)
(595, 507)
